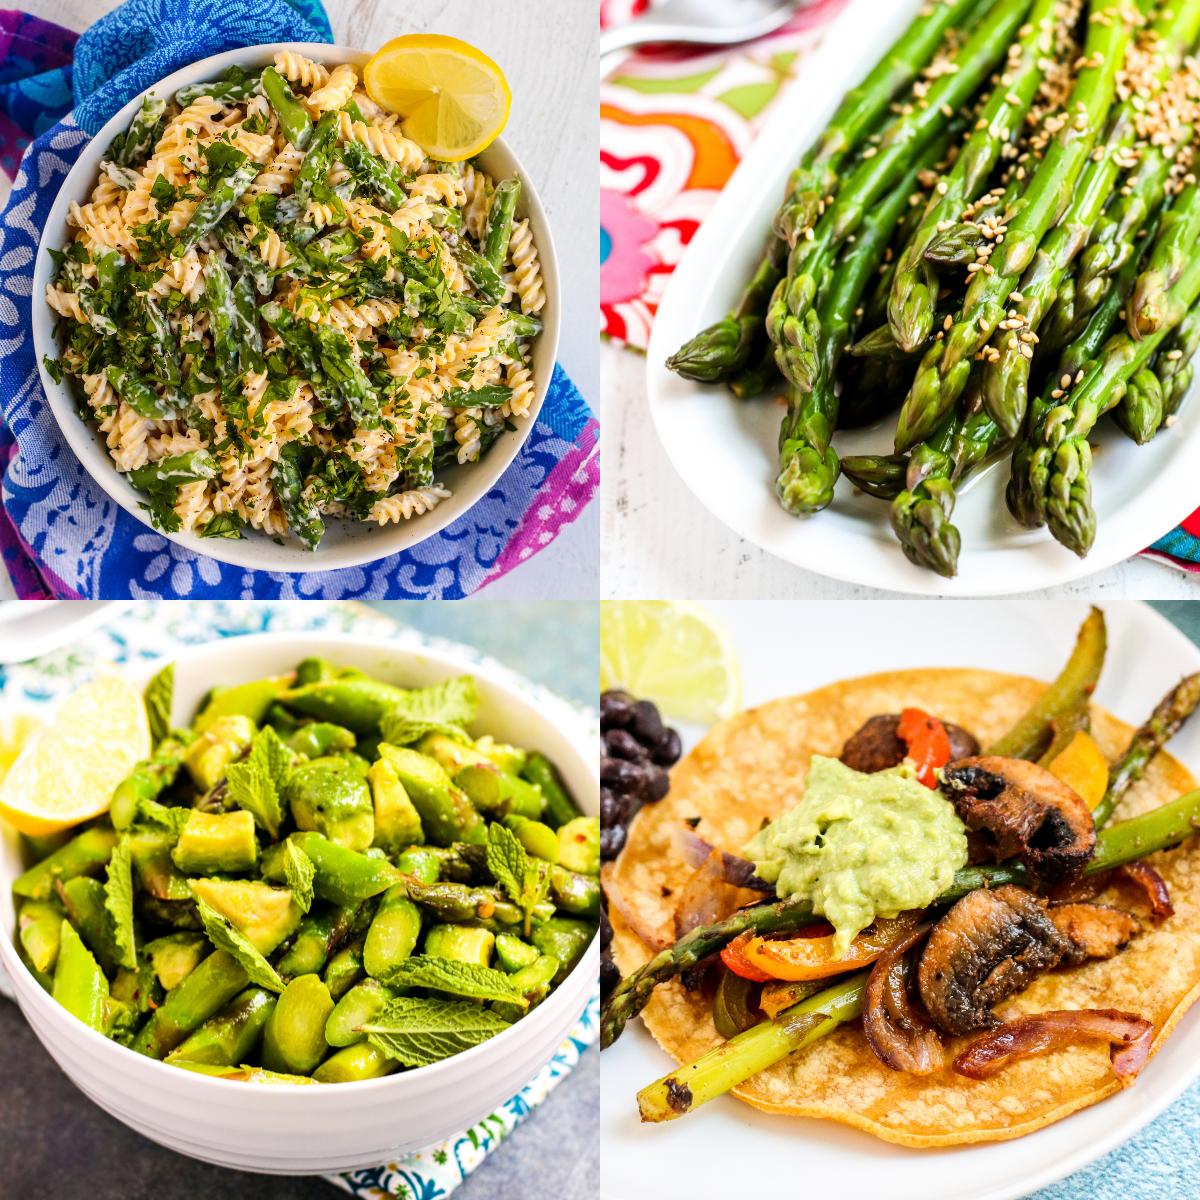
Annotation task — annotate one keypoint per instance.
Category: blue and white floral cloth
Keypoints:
(149, 631)
(60, 534)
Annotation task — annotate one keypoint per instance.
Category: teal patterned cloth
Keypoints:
(149, 631)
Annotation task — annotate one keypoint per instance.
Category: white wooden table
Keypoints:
(659, 541)
(552, 129)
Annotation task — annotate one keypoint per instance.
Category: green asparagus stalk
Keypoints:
(1177, 360)
(913, 302)
(1173, 249)
(1143, 407)
(1162, 725)
(808, 464)
(790, 322)
(731, 344)
(944, 372)
(724, 1067)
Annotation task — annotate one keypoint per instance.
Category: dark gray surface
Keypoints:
(55, 1142)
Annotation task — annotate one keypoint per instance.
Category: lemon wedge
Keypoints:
(66, 770)
(452, 99)
(670, 652)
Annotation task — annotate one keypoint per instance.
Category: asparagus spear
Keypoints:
(790, 322)
(729, 345)
(1143, 406)
(808, 464)
(1161, 726)
(1177, 361)
(944, 372)
(1125, 842)
(1060, 467)
(1174, 247)
(914, 296)
(763, 1045)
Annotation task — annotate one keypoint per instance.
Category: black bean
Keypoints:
(612, 839)
(655, 784)
(614, 809)
(620, 743)
(605, 929)
(622, 776)
(647, 724)
(616, 710)
(667, 749)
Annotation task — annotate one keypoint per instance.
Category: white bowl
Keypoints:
(346, 543)
(335, 1127)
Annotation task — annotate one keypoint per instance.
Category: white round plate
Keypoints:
(725, 450)
(705, 1156)
(346, 543)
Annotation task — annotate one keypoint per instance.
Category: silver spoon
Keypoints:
(702, 22)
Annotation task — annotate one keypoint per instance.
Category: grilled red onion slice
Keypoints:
(707, 897)
(896, 1029)
(695, 851)
(1152, 885)
(1037, 1034)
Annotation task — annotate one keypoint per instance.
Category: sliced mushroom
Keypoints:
(1094, 930)
(985, 949)
(1019, 810)
(878, 746)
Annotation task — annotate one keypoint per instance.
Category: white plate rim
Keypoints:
(944, 1184)
(365, 543)
(723, 249)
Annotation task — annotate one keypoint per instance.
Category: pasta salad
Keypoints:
(277, 309)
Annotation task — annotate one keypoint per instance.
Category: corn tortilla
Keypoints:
(753, 767)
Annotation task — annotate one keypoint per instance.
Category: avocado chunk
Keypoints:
(265, 915)
(330, 796)
(513, 954)
(175, 956)
(397, 822)
(251, 700)
(223, 842)
(223, 742)
(579, 845)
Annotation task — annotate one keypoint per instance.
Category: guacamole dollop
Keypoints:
(861, 846)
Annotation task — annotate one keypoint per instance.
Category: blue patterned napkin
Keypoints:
(149, 631)
(63, 536)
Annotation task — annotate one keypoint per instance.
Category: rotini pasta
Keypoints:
(319, 332)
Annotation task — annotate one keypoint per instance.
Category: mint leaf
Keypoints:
(172, 818)
(468, 980)
(451, 702)
(399, 730)
(506, 860)
(256, 782)
(118, 900)
(419, 1032)
(225, 937)
(525, 879)
(299, 871)
(160, 692)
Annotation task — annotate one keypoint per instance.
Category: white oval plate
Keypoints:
(705, 1156)
(725, 451)
(346, 543)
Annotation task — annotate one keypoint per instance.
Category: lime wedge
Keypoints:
(670, 652)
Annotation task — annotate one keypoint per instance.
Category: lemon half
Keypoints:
(452, 99)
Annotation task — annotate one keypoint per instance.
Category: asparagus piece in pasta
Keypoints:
(140, 396)
(374, 174)
(223, 196)
(218, 295)
(293, 119)
(317, 159)
(500, 221)
(287, 474)
(132, 148)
